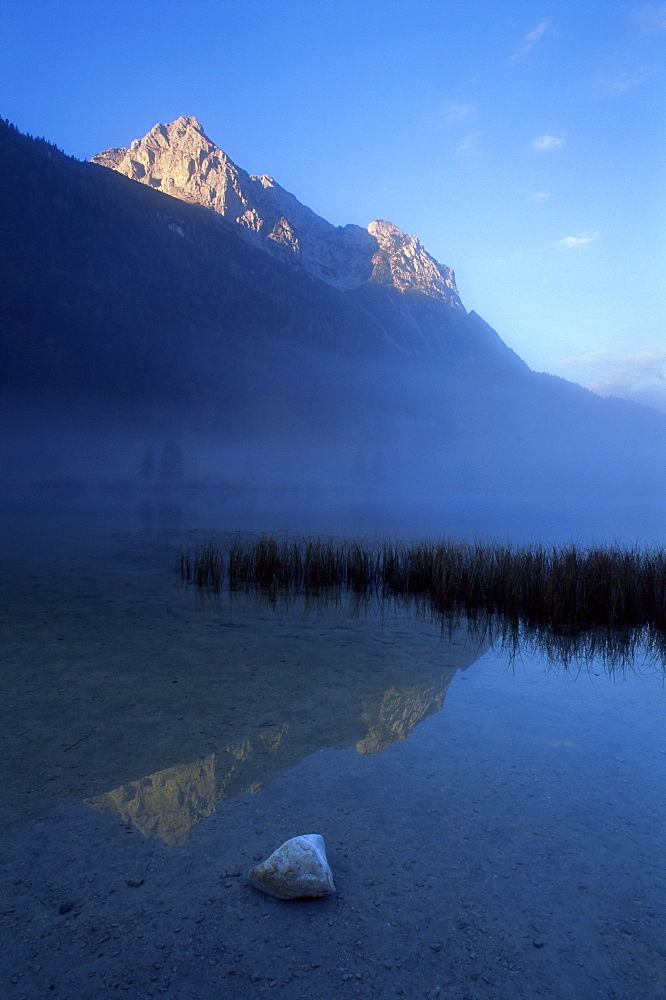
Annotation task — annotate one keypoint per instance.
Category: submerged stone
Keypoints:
(298, 869)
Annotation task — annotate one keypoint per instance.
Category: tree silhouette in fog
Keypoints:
(147, 467)
(171, 470)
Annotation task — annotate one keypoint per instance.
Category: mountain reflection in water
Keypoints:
(170, 802)
(349, 705)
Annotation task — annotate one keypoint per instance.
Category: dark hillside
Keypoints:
(125, 308)
(110, 285)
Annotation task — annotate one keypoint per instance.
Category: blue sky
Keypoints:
(524, 144)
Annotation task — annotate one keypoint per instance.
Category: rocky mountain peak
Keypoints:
(403, 261)
(180, 160)
(178, 132)
(385, 233)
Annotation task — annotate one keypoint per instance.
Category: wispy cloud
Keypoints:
(450, 114)
(638, 59)
(546, 143)
(651, 18)
(572, 242)
(471, 143)
(456, 111)
(639, 375)
(622, 80)
(538, 196)
(530, 40)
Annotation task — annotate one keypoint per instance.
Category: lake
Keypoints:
(494, 820)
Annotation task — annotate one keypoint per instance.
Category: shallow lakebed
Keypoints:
(495, 825)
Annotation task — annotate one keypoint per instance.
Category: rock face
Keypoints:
(180, 160)
(298, 869)
(403, 261)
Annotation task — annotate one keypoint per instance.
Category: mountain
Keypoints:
(163, 291)
(418, 310)
(104, 272)
(179, 159)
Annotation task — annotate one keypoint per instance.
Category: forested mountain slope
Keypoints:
(123, 306)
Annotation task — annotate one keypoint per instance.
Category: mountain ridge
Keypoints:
(102, 273)
(126, 309)
(181, 160)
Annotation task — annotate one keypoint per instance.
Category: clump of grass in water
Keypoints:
(205, 570)
(567, 587)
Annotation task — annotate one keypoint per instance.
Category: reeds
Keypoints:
(555, 587)
(206, 569)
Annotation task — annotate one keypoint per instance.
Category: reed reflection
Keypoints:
(568, 604)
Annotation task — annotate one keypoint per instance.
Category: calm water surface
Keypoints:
(495, 824)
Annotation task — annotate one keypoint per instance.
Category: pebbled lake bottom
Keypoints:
(495, 825)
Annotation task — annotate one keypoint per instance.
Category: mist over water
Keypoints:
(342, 447)
(126, 505)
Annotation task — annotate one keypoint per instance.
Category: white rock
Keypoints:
(298, 869)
